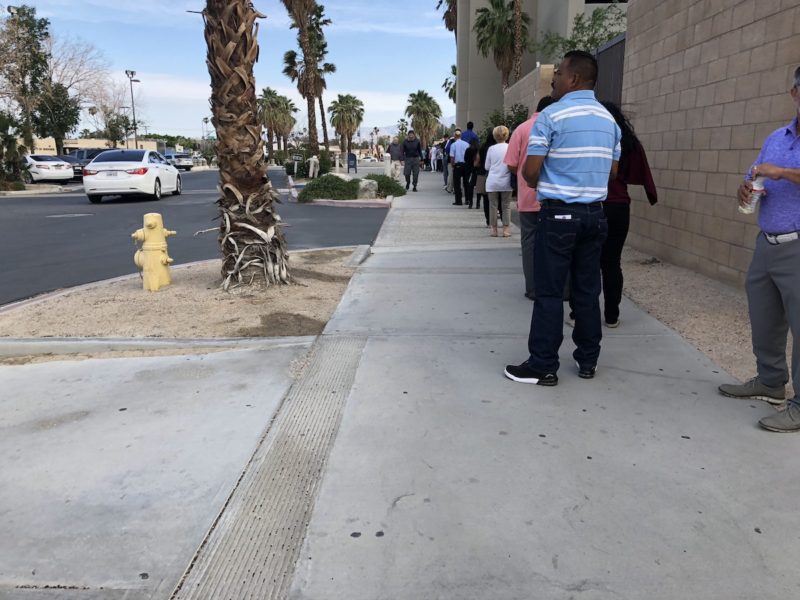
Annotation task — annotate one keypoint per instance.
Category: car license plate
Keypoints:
(111, 173)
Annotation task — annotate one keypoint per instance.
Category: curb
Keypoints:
(355, 203)
(50, 189)
(94, 284)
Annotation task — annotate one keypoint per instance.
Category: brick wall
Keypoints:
(705, 82)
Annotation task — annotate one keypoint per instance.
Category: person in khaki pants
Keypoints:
(498, 182)
(395, 152)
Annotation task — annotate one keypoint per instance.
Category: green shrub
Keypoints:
(329, 187)
(302, 169)
(280, 156)
(515, 116)
(325, 162)
(387, 186)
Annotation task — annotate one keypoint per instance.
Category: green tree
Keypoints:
(285, 121)
(587, 33)
(268, 109)
(347, 113)
(449, 84)
(11, 152)
(512, 118)
(319, 46)
(425, 113)
(56, 114)
(450, 15)
(402, 128)
(301, 11)
(24, 65)
(494, 32)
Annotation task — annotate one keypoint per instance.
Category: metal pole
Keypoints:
(133, 108)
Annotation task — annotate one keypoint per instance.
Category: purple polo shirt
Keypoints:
(780, 207)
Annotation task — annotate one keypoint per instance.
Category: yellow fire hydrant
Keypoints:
(152, 258)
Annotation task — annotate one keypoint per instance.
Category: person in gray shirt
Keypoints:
(412, 155)
(395, 152)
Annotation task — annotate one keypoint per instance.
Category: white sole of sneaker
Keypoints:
(767, 399)
(613, 325)
(520, 379)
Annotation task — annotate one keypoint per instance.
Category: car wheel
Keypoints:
(157, 190)
(178, 187)
(94, 199)
(27, 177)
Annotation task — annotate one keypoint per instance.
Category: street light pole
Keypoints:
(131, 75)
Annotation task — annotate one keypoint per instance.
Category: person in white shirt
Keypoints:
(498, 181)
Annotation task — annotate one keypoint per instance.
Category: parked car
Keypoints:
(368, 159)
(180, 160)
(42, 168)
(83, 158)
(127, 172)
(77, 168)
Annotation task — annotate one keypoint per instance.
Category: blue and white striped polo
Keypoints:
(579, 139)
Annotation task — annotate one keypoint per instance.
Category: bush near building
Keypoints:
(387, 186)
(329, 187)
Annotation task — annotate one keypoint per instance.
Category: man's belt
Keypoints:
(782, 238)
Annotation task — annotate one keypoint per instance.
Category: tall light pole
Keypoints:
(131, 75)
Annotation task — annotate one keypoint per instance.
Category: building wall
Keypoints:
(47, 146)
(528, 90)
(705, 82)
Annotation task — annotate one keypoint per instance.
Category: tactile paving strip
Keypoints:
(251, 551)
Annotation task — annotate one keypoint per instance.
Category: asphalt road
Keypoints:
(50, 242)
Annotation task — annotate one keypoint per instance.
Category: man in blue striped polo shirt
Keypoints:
(573, 151)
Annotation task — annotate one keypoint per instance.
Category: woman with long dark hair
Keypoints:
(633, 170)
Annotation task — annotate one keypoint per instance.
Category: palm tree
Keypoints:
(301, 12)
(450, 16)
(518, 40)
(268, 111)
(347, 113)
(320, 47)
(251, 239)
(425, 113)
(494, 32)
(285, 120)
(449, 84)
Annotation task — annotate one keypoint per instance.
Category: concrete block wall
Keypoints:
(530, 88)
(705, 82)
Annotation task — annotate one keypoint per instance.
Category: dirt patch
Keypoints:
(710, 315)
(194, 306)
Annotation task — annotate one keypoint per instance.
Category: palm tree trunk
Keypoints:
(251, 240)
(517, 39)
(311, 67)
(324, 124)
(270, 140)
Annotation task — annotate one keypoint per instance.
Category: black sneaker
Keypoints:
(407, 185)
(524, 374)
(415, 188)
(586, 372)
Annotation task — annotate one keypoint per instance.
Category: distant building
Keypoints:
(478, 86)
(47, 146)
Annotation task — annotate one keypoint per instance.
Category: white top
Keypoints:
(499, 177)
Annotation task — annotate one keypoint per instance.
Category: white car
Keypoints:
(368, 159)
(180, 160)
(41, 167)
(125, 172)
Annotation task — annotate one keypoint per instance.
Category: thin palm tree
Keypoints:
(518, 40)
(268, 107)
(285, 120)
(347, 113)
(300, 12)
(425, 113)
(319, 46)
(494, 33)
(449, 84)
(251, 239)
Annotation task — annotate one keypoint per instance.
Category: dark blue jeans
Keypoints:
(569, 241)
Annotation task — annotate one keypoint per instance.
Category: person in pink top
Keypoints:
(527, 204)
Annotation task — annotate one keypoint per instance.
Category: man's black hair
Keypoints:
(544, 102)
(470, 125)
(583, 64)
(410, 131)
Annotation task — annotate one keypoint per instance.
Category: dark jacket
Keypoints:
(412, 149)
(633, 170)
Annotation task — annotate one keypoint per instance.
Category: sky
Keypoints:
(383, 51)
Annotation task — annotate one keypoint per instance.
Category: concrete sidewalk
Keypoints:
(448, 481)
(390, 459)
